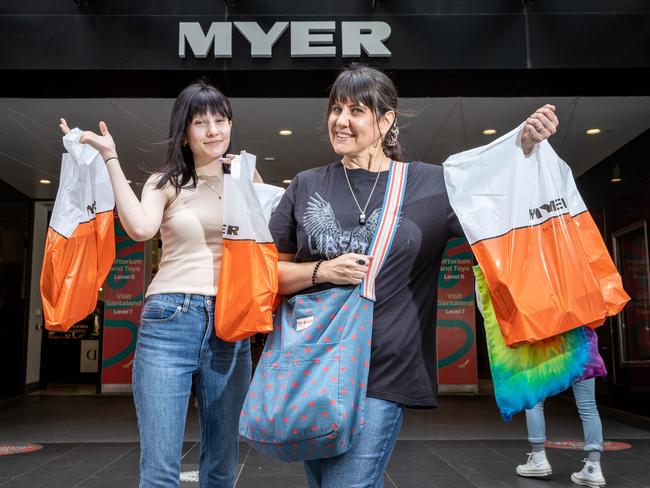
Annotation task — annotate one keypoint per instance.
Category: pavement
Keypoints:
(92, 441)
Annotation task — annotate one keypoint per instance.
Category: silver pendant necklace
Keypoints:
(362, 212)
(207, 183)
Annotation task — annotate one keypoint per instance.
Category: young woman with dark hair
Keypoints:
(177, 347)
(323, 229)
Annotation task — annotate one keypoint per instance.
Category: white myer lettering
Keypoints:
(313, 39)
(261, 43)
(368, 36)
(308, 39)
(219, 35)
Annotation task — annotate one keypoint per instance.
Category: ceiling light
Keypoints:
(285, 132)
(44, 182)
(269, 158)
(616, 174)
(593, 132)
(489, 132)
(286, 182)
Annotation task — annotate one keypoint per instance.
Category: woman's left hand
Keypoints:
(227, 158)
(539, 126)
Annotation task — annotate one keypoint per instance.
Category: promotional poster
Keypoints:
(457, 368)
(124, 297)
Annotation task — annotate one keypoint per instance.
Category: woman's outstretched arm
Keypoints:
(140, 219)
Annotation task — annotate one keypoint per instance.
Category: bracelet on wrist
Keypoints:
(313, 275)
(112, 157)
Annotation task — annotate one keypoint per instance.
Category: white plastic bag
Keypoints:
(80, 246)
(546, 265)
(248, 283)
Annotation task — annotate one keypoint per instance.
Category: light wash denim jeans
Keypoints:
(363, 465)
(176, 348)
(585, 396)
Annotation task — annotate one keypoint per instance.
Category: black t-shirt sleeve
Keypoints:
(283, 224)
(454, 228)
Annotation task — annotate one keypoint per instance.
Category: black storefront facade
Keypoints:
(87, 48)
(471, 48)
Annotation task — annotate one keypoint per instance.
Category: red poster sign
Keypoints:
(123, 299)
(457, 368)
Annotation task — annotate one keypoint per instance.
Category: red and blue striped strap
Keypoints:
(383, 239)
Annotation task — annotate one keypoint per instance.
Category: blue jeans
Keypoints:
(363, 465)
(585, 396)
(177, 348)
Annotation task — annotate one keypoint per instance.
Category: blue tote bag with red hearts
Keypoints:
(307, 397)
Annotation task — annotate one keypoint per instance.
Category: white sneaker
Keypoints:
(536, 466)
(590, 475)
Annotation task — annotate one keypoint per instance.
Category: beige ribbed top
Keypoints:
(191, 240)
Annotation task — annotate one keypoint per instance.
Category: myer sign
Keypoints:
(308, 39)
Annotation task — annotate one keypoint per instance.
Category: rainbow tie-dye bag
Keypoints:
(524, 375)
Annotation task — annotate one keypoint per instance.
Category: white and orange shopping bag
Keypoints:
(80, 246)
(545, 262)
(248, 283)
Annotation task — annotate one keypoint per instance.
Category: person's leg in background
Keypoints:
(364, 464)
(585, 396)
(537, 464)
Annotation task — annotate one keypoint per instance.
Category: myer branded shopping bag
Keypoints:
(80, 246)
(248, 283)
(527, 374)
(545, 263)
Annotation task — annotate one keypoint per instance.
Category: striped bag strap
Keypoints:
(390, 213)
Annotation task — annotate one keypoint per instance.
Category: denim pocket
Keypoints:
(159, 311)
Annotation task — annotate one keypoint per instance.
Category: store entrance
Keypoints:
(70, 360)
(14, 281)
(287, 136)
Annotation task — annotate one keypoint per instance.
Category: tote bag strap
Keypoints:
(383, 239)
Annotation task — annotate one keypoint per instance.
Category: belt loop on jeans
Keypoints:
(186, 302)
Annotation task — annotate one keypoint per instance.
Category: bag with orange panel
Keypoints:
(80, 245)
(248, 284)
(546, 265)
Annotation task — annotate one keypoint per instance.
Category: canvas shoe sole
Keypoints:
(529, 472)
(587, 482)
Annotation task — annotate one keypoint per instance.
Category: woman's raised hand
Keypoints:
(539, 126)
(103, 142)
(347, 269)
(227, 158)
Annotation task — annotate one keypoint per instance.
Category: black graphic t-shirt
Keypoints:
(318, 218)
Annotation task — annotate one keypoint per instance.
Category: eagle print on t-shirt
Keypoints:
(325, 235)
